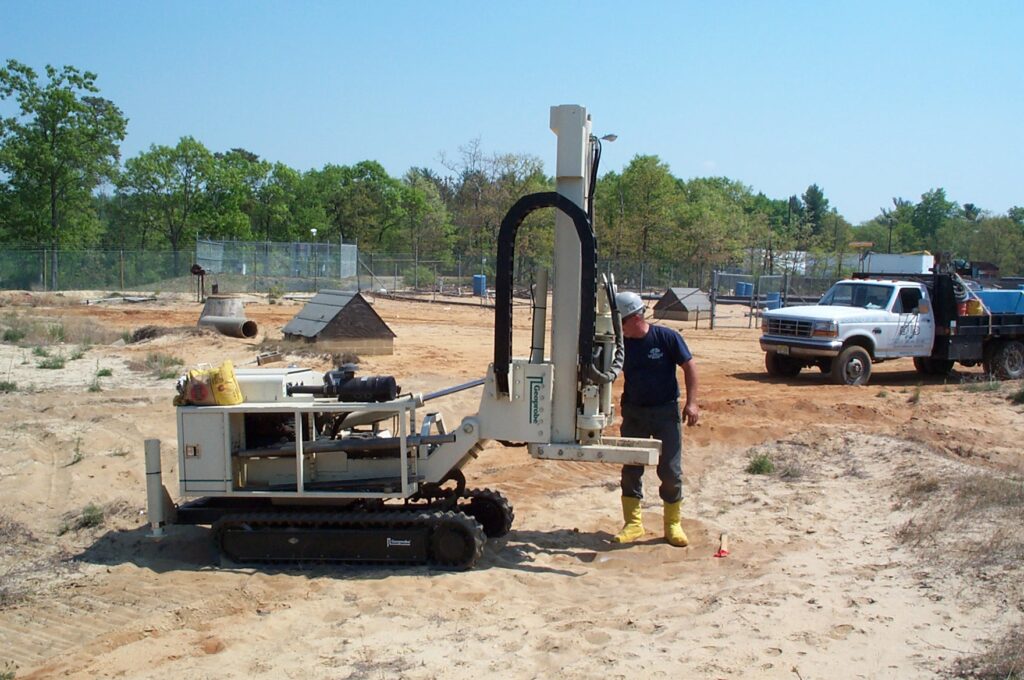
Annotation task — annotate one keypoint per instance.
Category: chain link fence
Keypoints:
(278, 268)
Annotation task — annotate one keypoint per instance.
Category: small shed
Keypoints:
(342, 321)
(682, 304)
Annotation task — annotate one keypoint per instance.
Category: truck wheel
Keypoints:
(1008, 360)
(852, 366)
(781, 366)
(923, 365)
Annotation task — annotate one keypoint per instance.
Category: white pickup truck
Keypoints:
(862, 321)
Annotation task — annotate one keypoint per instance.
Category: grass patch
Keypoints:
(104, 373)
(90, 516)
(52, 362)
(983, 386)
(38, 351)
(95, 386)
(13, 335)
(164, 366)
(8, 386)
(78, 353)
(77, 456)
(56, 332)
(760, 464)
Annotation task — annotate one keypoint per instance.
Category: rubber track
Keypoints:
(385, 520)
(499, 500)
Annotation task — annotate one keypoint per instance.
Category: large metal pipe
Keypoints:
(231, 326)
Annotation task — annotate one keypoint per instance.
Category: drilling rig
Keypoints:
(340, 467)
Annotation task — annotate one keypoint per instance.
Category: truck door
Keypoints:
(915, 331)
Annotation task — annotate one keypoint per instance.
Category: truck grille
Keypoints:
(790, 327)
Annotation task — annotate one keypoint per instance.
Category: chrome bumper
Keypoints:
(800, 347)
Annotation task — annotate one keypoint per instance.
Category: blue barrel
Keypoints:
(744, 289)
(773, 300)
(480, 284)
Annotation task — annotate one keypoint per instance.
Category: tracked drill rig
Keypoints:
(345, 468)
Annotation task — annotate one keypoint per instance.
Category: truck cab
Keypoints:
(856, 323)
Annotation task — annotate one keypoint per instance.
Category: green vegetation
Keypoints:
(77, 456)
(162, 365)
(760, 464)
(90, 516)
(40, 352)
(52, 362)
(104, 373)
(983, 386)
(13, 335)
(645, 215)
(8, 386)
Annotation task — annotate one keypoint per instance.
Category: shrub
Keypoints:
(56, 332)
(40, 351)
(761, 464)
(104, 373)
(14, 335)
(8, 386)
(52, 362)
(91, 516)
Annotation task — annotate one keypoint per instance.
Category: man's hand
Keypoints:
(691, 413)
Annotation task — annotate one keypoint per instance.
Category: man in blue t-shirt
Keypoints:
(650, 408)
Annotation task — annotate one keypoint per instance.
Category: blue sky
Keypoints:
(870, 100)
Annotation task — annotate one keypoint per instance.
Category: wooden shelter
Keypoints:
(342, 322)
(682, 304)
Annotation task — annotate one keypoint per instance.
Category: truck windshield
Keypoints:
(865, 295)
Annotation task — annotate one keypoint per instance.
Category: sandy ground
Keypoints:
(848, 561)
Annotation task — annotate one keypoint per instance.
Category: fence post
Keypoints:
(714, 297)
(121, 258)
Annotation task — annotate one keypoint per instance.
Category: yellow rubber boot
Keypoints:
(673, 530)
(632, 515)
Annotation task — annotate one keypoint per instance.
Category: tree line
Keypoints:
(64, 185)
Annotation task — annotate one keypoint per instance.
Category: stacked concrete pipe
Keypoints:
(226, 313)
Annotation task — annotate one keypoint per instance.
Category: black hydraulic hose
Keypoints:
(503, 280)
(593, 179)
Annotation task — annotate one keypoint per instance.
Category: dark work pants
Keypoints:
(660, 422)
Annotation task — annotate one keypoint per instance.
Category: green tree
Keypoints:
(650, 197)
(167, 184)
(816, 209)
(59, 147)
(930, 214)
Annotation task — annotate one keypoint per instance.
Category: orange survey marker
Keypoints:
(723, 546)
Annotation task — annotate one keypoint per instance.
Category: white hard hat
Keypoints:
(628, 303)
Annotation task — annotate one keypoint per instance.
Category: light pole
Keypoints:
(315, 284)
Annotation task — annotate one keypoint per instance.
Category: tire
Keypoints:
(781, 366)
(852, 366)
(923, 365)
(1008, 360)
